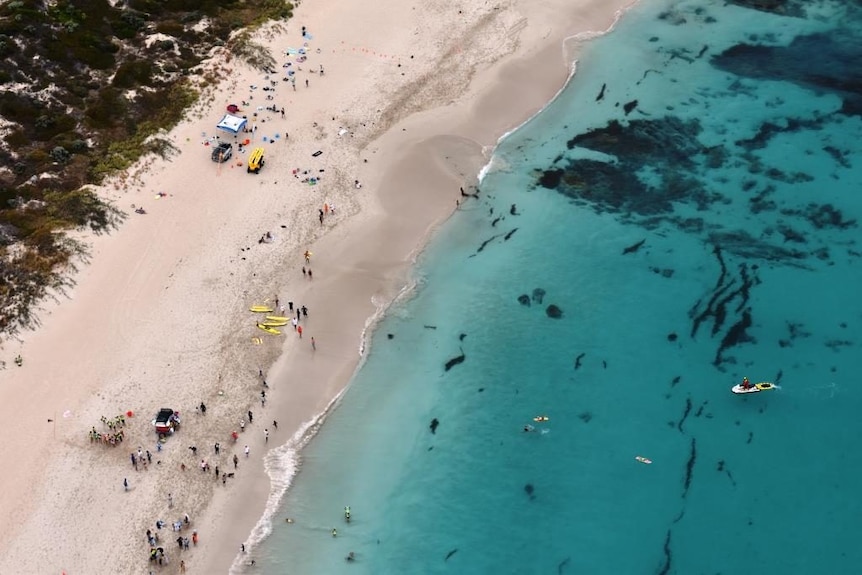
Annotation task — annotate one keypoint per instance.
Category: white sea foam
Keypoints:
(281, 465)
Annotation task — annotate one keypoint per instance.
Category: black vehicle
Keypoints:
(222, 152)
(167, 420)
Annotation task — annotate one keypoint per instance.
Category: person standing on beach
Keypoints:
(247, 450)
(235, 461)
(294, 323)
(299, 331)
(275, 424)
(266, 436)
(250, 416)
(125, 484)
(313, 344)
(304, 311)
(134, 461)
(309, 273)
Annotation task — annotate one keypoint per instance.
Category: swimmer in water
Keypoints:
(528, 428)
(350, 556)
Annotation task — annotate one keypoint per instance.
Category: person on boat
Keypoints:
(746, 384)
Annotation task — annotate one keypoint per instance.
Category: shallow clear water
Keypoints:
(736, 170)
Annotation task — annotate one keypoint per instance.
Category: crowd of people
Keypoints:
(115, 434)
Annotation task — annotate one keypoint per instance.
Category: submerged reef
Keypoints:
(837, 71)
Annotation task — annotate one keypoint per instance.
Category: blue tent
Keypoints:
(231, 123)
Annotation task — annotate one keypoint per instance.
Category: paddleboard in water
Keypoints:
(643, 460)
(541, 418)
(260, 309)
(269, 329)
(756, 388)
(277, 318)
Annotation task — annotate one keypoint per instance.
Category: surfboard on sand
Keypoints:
(269, 329)
(260, 309)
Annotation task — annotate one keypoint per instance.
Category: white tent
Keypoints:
(231, 123)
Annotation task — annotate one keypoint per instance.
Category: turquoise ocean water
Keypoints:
(690, 205)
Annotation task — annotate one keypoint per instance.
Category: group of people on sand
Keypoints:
(142, 457)
(157, 552)
(115, 435)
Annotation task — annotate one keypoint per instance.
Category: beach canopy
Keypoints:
(231, 123)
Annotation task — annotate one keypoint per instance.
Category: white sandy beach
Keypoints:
(413, 98)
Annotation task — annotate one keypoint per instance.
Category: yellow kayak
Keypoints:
(273, 323)
(278, 318)
(260, 309)
(269, 329)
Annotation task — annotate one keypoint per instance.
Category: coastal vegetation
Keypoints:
(86, 87)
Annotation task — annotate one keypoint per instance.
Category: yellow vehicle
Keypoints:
(255, 161)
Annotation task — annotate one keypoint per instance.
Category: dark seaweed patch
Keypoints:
(684, 414)
(730, 295)
(486, 242)
(668, 556)
(665, 272)
(601, 93)
(554, 312)
(779, 7)
(840, 156)
(634, 247)
(839, 52)
(689, 468)
(769, 130)
(578, 360)
(538, 295)
(455, 361)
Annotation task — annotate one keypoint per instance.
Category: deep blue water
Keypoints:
(696, 223)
